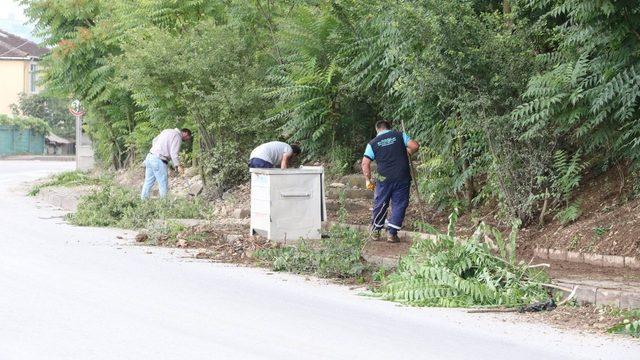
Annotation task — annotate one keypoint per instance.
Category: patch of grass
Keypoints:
(380, 275)
(338, 256)
(165, 233)
(600, 231)
(117, 206)
(569, 214)
(68, 178)
(573, 244)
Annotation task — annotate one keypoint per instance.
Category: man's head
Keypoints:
(296, 149)
(186, 134)
(383, 125)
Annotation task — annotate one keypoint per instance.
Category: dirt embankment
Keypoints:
(609, 222)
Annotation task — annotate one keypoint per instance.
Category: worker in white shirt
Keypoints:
(165, 147)
(273, 154)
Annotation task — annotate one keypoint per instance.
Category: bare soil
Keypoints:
(417, 215)
(586, 318)
(229, 243)
(609, 224)
(386, 249)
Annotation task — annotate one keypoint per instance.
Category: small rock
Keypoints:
(181, 243)
(232, 237)
(337, 185)
(142, 237)
(191, 171)
(202, 255)
(196, 185)
(241, 213)
(227, 195)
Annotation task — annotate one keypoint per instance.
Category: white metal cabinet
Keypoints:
(287, 204)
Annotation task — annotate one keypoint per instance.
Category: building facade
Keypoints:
(18, 68)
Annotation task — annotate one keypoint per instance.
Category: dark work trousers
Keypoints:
(396, 195)
(259, 163)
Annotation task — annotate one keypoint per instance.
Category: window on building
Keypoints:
(33, 78)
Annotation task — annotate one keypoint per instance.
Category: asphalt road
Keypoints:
(81, 293)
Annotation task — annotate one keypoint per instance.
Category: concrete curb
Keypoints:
(382, 261)
(605, 293)
(40, 157)
(588, 258)
(62, 197)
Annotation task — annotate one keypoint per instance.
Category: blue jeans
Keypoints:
(259, 163)
(396, 194)
(156, 170)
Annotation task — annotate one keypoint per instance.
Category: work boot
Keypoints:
(375, 235)
(393, 238)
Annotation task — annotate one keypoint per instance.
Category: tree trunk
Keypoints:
(506, 7)
(469, 187)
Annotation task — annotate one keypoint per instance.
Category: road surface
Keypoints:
(81, 293)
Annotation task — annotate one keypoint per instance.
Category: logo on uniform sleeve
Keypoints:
(387, 142)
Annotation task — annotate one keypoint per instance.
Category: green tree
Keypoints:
(588, 93)
(50, 109)
(313, 103)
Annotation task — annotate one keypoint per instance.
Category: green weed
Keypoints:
(630, 325)
(117, 206)
(600, 231)
(338, 256)
(340, 159)
(68, 178)
(164, 233)
(573, 244)
(569, 214)
(380, 275)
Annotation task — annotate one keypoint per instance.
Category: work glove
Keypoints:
(371, 185)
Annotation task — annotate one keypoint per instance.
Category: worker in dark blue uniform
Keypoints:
(391, 150)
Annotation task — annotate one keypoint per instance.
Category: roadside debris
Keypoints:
(453, 271)
(228, 243)
(142, 237)
(547, 305)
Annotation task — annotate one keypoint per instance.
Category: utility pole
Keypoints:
(75, 109)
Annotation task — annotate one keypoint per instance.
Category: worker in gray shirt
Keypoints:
(273, 154)
(165, 147)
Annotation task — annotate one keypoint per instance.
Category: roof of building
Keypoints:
(13, 46)
(57, 139)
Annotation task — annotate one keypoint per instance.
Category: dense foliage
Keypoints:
(50, 109)
(512, 99)
(25, 122)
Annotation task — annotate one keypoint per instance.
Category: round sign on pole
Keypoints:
(76, 109)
